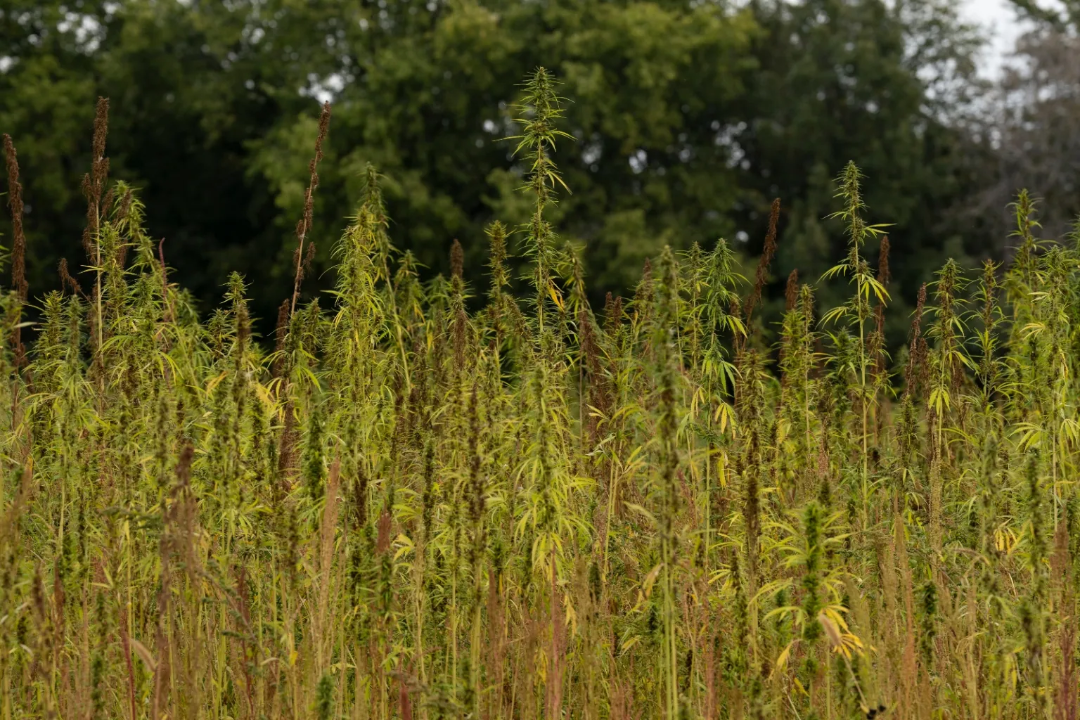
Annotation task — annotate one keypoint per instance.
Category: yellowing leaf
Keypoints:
(556, 296)
(782, 658)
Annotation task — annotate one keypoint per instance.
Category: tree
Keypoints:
(1061, 15)
(181, 115)
(689, 117)
(1036, 125)
(429, 102)
(886, 85)
(213, 115)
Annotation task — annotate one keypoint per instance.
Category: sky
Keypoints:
(999, 17)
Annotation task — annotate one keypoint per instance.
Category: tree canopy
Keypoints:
(688, 119)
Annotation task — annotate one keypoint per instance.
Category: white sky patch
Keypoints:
(324, 89)
(86, 30)
(1002, 25)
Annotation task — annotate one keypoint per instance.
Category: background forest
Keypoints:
(688, 118)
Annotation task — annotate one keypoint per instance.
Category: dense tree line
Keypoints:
(688, 119)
